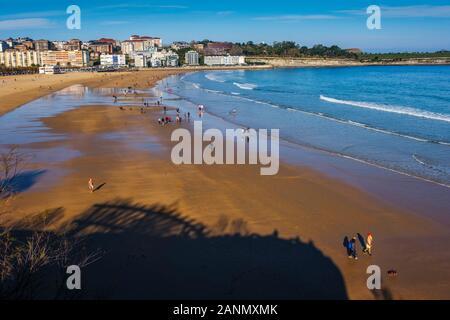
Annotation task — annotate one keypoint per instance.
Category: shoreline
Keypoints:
(11, 98)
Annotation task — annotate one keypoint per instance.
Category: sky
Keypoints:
(406, 25)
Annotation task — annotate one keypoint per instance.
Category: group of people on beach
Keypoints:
(366, 244)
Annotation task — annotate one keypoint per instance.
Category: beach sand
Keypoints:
(203, 231)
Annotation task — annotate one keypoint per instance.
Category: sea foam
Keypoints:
(390, 108)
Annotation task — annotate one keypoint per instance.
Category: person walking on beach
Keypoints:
(352, 248)
(91, 185)
(369, 244)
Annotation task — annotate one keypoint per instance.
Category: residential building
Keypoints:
(3, 46)
(191, 58)
(141, 61)
(199, 47)
(164, 58)
(218, 48)
(10, 42)
(113, 60)
(354, 50)
(76, 58)
(20, 47)
(224, 60)
(72, 45)
(29, 44)
(101, 47)
(137, 43)
(178, 45)
(42, 45)
(14, 58)
(58, 45)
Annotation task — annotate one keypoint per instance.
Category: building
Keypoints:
(49, 70)
(178, 45)
(218, 48)
(141, 61)
(58, 45)
(191, 58)
(3, 46)
(12, 58)
(224, 60)
(72, 45)
(42, 45)
(164, 58)
(113, 60)
(29, 44)
(101, 47)
(10, 42)
(199, 47)
(354, 50)
(137, 43)
(76, 58)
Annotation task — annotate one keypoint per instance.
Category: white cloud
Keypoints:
(297, 17)
(419, 11)
(24, 23)
(35, 14)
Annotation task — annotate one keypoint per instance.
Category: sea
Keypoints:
(392, 117)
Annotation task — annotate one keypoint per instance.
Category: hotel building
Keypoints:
(191, 58)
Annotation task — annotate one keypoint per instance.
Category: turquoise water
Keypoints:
(395, 117)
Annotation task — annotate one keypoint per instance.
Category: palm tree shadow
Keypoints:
(154, 252)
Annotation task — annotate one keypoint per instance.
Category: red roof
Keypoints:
(106, 40)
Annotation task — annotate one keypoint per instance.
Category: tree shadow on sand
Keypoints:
(153, 252)
(21, 182)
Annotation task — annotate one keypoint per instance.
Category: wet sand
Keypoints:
(220, 231)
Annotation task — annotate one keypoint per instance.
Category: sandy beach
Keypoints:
(203, 231)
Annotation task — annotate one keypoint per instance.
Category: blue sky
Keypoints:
(406, 25)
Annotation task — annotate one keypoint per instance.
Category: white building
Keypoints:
(191, 58)
(224, 60)
(49, 70)
(113, 60)
(140, 61)
(14, 58)
(3, 46)
(164, 58)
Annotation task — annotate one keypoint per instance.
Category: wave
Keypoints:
(245, 86)
(235, 93)
(324, 116)
(213, 77)
(390, 108)
(214, 91)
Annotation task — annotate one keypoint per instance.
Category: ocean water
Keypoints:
(394, 117)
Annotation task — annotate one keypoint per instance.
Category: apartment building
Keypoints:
(12, 58)
(41, 45)
(76, 58)
(191, 58)
(224, 60)
(113, 60)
